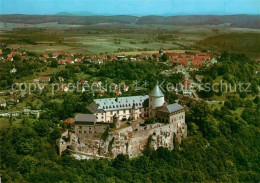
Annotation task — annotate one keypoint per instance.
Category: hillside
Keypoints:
(248, 43)
(241, 21)
(63, 19)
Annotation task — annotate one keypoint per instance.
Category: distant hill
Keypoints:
(74, 20)
(241, 21)
(83, 13)
(65, 14)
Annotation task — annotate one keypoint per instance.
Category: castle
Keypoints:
(117, 126)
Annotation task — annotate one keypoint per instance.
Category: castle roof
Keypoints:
(171, 108)
(120, 103)
(85, 118)
(156, 92)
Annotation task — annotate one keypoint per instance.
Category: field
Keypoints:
(128, 38)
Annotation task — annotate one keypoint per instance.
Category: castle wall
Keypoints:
(90, 131)
(127, 140)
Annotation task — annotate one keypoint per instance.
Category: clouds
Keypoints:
(136, 7)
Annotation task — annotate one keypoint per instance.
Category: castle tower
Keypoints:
(135, 111)
(156, 99)
(116, 121)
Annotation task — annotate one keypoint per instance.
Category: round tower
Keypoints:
(156, 98)
(116, 120)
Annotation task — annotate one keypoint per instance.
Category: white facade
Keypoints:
(123, 107)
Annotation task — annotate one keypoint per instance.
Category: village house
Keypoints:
(9, 57)
(3, 103)
(14, 47)
(179, 69)
(13, 71)
(194, 68)
(45, 79)
(96, 84)
(125, 88)
(64, 88)
(66, 61)
(61, 79)
(197, 62)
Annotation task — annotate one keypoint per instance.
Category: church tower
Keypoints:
(156, 99)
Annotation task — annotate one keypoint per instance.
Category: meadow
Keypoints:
(117, 38)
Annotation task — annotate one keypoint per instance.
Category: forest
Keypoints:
(222, 145)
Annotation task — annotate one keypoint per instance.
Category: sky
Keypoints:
(132, 7)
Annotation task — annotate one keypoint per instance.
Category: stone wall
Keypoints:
(129, 140)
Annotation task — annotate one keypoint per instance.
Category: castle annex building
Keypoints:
(118, 126)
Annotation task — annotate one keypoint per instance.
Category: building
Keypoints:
(125, 107)
(3, 103)
(45, 79)
(117, 126)
(171, 113)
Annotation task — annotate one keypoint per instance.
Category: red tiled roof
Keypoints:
(202, 57)
(46, 56)
(65, 61)
(178, 67)
(197, 62)
(184, 62)
(69, 121)
(101, 91)
(186, 82)
(45, 78)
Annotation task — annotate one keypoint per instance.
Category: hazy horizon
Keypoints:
(131, 7)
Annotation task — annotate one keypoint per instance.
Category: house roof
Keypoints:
(2, 101)
(45, 78)
(69, 121)
(156, 92)
(171, 108)
(85, 118)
